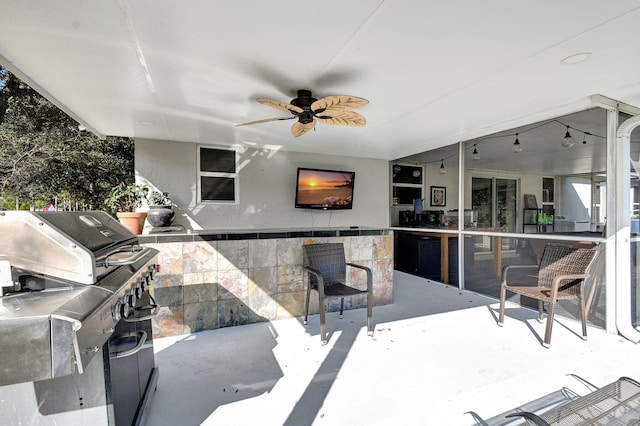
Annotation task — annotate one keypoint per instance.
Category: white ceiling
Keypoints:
(435, 72)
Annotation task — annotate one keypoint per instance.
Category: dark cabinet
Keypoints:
(418, 255)
(421, 255)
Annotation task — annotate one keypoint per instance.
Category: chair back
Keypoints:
(327, 258)
(564, 260)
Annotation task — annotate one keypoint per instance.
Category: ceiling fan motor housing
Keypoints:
(304, 101)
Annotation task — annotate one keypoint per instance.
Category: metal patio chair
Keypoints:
(562, 273)
(327, 271)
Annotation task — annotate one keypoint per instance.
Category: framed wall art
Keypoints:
(438, 196)
(530, 201)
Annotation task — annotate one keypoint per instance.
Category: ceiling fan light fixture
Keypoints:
(516, 148)
(568, 140)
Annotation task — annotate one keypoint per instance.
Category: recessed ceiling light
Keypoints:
(146, 123)
(576, 59)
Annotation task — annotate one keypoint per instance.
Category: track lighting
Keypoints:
(516, 148)
(476, 154)
(568, 140)
(584, 137)
(442, 170)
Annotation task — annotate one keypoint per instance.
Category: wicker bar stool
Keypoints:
(561, 275)
(327, 270)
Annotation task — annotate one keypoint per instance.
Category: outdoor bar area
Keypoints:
(214, 279)
(507, 196)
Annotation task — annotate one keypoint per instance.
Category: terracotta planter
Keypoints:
(134, 221)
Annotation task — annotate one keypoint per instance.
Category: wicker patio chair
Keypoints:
(327, 270)
(561, 275)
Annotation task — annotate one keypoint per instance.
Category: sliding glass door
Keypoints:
(494, 200)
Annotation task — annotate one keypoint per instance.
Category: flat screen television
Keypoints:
(324, 189)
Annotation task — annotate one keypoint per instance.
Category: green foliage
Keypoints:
(157, 198)
(126, 197)
(43, 152)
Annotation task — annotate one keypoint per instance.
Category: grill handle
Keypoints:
(142, 338)
(153, 306)
(141, 252)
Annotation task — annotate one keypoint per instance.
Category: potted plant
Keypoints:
(160, 209)
(123, 200)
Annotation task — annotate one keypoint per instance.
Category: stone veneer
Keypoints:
(209, 281)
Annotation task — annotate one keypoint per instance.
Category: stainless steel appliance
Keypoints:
(75, 331)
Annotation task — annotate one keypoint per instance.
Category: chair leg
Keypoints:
(323, 326)
(540, 310)
(369, 314)
(503, 296)
(547, 333)
(306, 305)
(341, 306)
(583, 315)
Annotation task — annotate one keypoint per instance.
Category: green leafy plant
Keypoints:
(157, 198)
(126, 197)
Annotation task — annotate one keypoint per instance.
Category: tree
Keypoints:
(44, 154)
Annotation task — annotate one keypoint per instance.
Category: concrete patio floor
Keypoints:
(436, 357)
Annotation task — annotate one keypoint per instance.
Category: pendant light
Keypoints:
(516, 148)
(476, 154)
(442, 170)
(568, 140)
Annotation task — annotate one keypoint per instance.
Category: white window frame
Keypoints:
(234, 176)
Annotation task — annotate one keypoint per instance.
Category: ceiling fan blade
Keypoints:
(344, 118)
(266, 120)
(342, 102)
(299, 129)
(280, 105)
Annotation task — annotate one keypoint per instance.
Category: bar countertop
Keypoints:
(256, 234)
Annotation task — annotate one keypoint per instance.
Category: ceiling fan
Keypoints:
(330, 110)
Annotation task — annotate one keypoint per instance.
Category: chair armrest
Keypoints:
(367, 270)
(555, 283)
(510, 267)
(318, 275)
(530, 416)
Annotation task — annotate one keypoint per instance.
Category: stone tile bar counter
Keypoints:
(209, 280)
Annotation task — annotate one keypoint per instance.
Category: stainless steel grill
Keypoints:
(71, 281)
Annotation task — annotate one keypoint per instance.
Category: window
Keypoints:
(407, 184)
(217, 175)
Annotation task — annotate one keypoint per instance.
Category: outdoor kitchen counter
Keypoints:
(256, 234)
(218, 278)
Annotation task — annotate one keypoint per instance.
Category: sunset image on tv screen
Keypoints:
(317, 187)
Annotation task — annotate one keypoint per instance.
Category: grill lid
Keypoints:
(65, 245)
